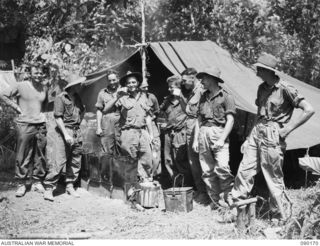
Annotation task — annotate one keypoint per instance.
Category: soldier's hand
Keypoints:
(69, 139)
(99, 132)
(177, 92)
(218, 144)
(122, 91)
(244, 146)
(18, 110)
(283, 132)
(151, 138)
(195, 146)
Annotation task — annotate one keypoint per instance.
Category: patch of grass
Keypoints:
(303, 197)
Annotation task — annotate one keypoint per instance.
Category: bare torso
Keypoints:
(30, 101)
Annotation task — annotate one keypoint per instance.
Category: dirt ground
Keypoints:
(97, 217)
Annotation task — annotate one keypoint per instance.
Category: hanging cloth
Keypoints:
(309, 163)
(7, 80)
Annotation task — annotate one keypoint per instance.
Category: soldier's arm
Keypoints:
(297, 101)
(6, 98)
(62, 128)
(99, 118)
(10, 103)
(228, 127)
(156, 106)
(99, 105)
(183, 102)
(58, 112)
(108, 106)
(195, 144)
(164, 105)
(149, 126)
(230, 108)
(307, 112)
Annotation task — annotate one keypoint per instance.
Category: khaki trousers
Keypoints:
(264, 153)
(135, 143)
(214, 163)
(193, 157)
(68, 157)
(176, 156)
(30, 158)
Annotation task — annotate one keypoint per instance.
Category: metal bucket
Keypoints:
(149, 194)
(178, 199)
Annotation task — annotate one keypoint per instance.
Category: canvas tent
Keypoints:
(167, 58)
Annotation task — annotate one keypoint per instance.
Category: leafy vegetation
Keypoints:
(96, 32)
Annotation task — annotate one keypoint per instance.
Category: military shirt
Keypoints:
(67, 109)
(176, 117)
(278, 102)
(193, 101)
(104, 97)
(214, 110)
(133, 111)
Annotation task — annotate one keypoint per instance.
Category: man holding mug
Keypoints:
(175, 146)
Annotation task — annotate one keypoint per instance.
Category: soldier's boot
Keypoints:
(21, 191)
(48, 194)
(71, 191)
(37, 187)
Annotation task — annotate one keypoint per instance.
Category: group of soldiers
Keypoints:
(199, 117)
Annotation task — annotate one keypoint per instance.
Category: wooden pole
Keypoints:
(143, 41)
(241, 219)
(12, 65)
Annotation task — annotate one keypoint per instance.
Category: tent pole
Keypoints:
(143, 40)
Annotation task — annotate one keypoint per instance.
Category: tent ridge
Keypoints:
(165, 52)
(179, 57)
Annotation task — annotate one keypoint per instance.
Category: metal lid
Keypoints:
(178, 190)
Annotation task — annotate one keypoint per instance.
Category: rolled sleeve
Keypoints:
(293, 95)
(230, 105)
(58, 107)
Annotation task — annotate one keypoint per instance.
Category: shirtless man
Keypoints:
(31, 129)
